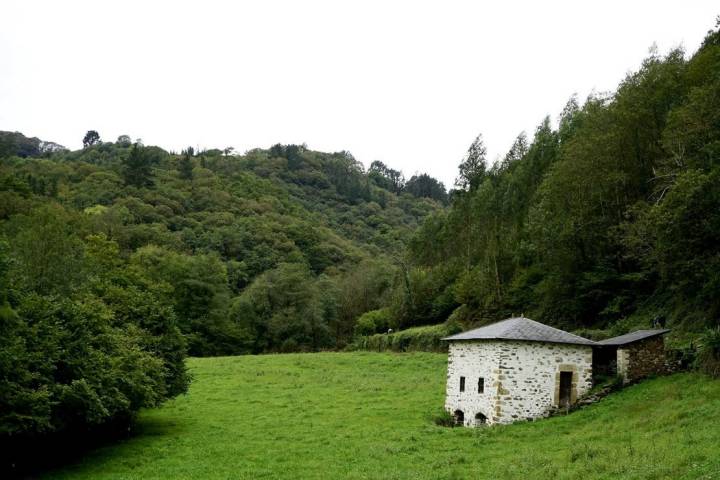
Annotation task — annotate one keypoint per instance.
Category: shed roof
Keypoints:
(632, 337)
(521, 328)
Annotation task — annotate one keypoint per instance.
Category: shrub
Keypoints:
(374, 321)
(708, 356)
(66, 367)
(428, 339)
(443, 418)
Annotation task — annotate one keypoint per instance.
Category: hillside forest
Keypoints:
(118, 259)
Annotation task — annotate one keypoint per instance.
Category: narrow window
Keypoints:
(462, 384)
(481, 385)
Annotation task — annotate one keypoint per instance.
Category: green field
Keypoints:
(369, 415)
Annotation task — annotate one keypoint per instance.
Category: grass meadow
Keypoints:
(369, 416)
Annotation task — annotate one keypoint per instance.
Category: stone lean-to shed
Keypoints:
(632, 356)
(516, 369)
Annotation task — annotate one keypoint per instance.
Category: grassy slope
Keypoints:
(367, 415)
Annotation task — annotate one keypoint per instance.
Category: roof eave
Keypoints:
(589, 343)
(628, 342)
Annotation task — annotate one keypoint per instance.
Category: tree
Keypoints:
(124, 140)
(138, 168)
(185, 168)
(91, 138)
(426, 186)
(47, 251)
(386, 177)
(474, 165)
(284, 310)
(517, 151)
(84, 361)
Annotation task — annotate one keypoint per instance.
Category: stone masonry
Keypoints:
(640, 359)
(521, 379)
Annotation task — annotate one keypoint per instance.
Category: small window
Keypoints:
(481, 385)
(462, 384)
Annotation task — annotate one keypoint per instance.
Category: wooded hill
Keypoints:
(610, 220)
(119, 259)
(278, 249)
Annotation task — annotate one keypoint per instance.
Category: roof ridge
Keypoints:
(521, 328)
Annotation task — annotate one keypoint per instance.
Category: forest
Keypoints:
(119, 259)
(609, 221)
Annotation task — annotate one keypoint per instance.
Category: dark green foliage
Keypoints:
(708, 359)
(138, 167)
(91, 138)
(425, 186)
(386, 177)
(71, 367)
(185, 168)
(284, 310)
(443, 418)
(49, 255)
(85, 344)
(473, 167)
(425, 339)
(196, 233)
(610, 220)
(374, 321)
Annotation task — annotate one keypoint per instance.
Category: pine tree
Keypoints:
(138, 171)
(186, 167)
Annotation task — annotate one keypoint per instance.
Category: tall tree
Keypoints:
(186, 166)
(138, 168)
(91, 138)
(474, 165)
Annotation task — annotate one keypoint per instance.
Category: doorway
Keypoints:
(565, 388)
(459, 417)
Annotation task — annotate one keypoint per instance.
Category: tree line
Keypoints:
(611, 220)
(119, 259)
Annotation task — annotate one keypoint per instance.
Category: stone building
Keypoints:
(516, 369)
(632, 356)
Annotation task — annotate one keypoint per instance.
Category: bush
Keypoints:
(76, 367)
(683, 357)
(66, 367)
(374, 321)
(427, 339)
(708, 356)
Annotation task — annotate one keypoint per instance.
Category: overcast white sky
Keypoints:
(408, 83)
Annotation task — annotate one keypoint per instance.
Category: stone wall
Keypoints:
(472, 360)
(522, 379)
(640, 359)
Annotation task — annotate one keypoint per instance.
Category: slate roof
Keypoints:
(521, 328)
(632, 337)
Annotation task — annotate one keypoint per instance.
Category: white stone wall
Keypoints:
(521, 378)
(472, 360)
